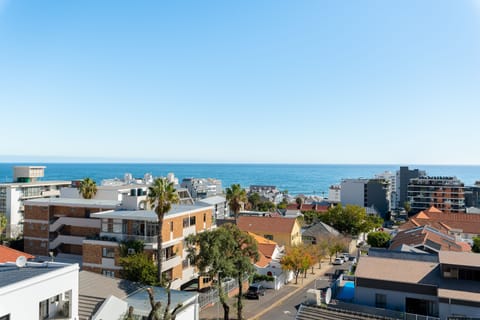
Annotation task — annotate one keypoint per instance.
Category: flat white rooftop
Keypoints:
(75, 202)
(35, 183)
(147, 215)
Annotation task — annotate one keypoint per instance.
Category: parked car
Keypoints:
(338, 261)
(352, 259)
(255, 291)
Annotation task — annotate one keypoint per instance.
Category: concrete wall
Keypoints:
(21, 300)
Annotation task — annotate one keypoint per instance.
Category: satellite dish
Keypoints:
(21, 261)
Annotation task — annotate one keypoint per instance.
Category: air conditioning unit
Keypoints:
(131, 251)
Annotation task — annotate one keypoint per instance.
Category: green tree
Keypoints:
(161, 196)
(299, 201)
(139, 267)
(254, 200)
(88, 188)
(351, 219)
(476, 244)
(224, 252)
(407, 206)
(378, 239)
(236, 197)
(283, 204)
(3, 223)
(266, 206)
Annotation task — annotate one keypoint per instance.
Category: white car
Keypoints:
(338, 261)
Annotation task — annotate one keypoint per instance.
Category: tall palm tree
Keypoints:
(236, 197)
(88, 188)
(161, 195)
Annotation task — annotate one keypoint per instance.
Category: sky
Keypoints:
(301, 81)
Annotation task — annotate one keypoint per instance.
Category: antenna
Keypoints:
(21, 261)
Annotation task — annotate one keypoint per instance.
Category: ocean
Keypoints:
(296, 178)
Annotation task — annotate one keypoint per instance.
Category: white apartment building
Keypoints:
(334, 193)
(30, 290)
(26, 185)
(392, 194)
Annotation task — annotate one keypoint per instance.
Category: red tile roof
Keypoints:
(262, 225)
(10, 255)
(421, 236)
(307, 207)
(467, 222)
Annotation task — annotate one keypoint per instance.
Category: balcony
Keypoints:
(171, 262)
(189, 230)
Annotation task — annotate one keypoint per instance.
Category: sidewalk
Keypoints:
(253, 309)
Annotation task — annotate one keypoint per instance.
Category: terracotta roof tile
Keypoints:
(261, 225)
(10, 255)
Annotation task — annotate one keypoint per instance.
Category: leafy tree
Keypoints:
(283, 204)
(3, 223)
(407, 206)
(136, 245)
(224, 252)
(266, 206)
(139, 267)
(378, 239)
(350, 219)
(476, 244)
(254, 200)
(299, 201)
(88, 188)
(310, 216)
(236, 197)
(297, 260)
(161, 196)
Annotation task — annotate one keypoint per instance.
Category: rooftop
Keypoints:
(213, 200)
(35, 183)
(10, 255)
(266, 224)
(11, 274)
(74, 202)
(96, 285)
(467, 259)
(147, 215)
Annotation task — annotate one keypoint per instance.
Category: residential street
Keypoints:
(278, 305)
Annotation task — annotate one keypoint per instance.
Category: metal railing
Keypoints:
(412, 316)
(211, 297)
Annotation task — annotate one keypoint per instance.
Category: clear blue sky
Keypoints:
(301, 81)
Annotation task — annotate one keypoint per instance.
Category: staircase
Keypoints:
(87, 306)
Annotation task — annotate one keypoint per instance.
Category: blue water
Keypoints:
(296, 178)
(347, 292)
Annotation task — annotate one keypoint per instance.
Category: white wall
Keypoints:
(21, 300)
(352, 192)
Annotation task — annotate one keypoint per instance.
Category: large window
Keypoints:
(108, 252)
(380, 300)
(168, 253)
(43, 310)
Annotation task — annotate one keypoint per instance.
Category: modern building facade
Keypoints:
(101, 254)
(47, 290)
(366, 193)
(391, 180)
(404, 174)
(445, 193)
(26, 185)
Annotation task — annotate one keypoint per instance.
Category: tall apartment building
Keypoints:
(366, 193)
(445, 193)
(26, 185)
(472, 195)
(60, 225)
(403, 179)
(392, 196)
(101, 255)
(334, 193)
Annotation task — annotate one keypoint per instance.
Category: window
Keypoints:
(43, 309)
(185, 264)
(171, 226)
(108, 252)
(192, 221)
(380, 300)
(168, 253)
(268, 236)
(108, 273)
(204, 217)
(169, 274)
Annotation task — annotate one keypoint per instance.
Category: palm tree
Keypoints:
(236, 197)
(161, 195)
(88, 188)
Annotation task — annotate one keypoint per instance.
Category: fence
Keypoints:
(411, 316)
(211, 297)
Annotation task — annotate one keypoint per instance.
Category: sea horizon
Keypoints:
(297, 178)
